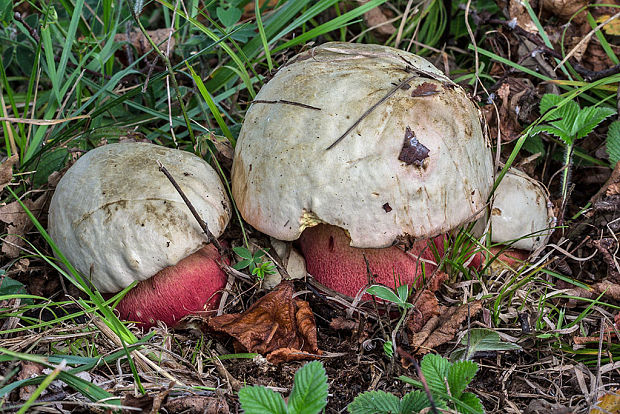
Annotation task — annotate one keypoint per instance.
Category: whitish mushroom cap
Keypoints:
(417, 166)
(521, 211)
(118, 219)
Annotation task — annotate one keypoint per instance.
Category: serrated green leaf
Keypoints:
(460, 375)
(534, 145)
(414, 402)
(470, 404)
(589, 118)
(548, 101)
(309, 394)
(243, 252)
(383, 292)
(261, 400)
(375, 402)
(435, 370)
(613, 142)
(551, 130)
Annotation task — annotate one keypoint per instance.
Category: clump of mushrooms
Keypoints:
(356, 148)
(118, 219)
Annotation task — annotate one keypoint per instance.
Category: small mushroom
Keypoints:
(118, 219)
(521, 216)
(413, 165)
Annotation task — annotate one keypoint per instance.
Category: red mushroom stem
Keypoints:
(338, 266)
(191, 286)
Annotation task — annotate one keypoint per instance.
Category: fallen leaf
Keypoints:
(565, 9)
(612, 28)
(276, 322)
(197, 404)
(6, 170)
(426, 306)
(607, 403)
(378, 21)
(342, 324)
(424, 89)
(540, 406)
(142, 46)
(28, 370)
(18, 224)
(443, 327)
(517, 10)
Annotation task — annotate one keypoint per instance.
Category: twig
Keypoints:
(285, 102)
(418, 370)
(210, 237)
(372, 108)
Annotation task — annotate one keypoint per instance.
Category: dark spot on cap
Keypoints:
(424, 89)
(330, 245)
(250, 169)
(387, 207)
(413, 151)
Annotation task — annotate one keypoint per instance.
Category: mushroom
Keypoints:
(117, 219)
(361, 147)
(521, 216)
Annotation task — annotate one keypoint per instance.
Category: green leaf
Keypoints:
(403, 293)
(589, 118)
(481, 339)
(460, 375)
(383, 292)
(613, 142)
(548, 101)
(375, 402)
(309, 394)
(6, 12)
(243, 252)
(534, 145)
(242, 264)
(414, 402)
(435, 370)
(261, 400)
(388, 349)
(228, 16)
(472, 402)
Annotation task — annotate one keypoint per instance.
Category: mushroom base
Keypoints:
(191, 286)
(338, 266)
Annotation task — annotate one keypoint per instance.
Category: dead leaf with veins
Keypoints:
(442, 328)
(18, 224)
(6, 170)
(278, 326)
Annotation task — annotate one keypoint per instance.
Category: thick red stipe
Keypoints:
(340, 267)
(191, 286)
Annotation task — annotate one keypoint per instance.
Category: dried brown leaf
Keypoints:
(28, 370)
(342, 324)
(18, 224)
(197, 404)
(565, 9)
(6, 170)
(377, 20)
(424, 89)
(275, 321)
(426, 307)
(139, 41)
(607, 403)
(441, 329)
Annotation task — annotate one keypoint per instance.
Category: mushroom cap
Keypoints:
(118, 219)
(415, 167)
(521, 211)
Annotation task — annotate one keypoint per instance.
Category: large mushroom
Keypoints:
(118, 219)
(356, 148)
